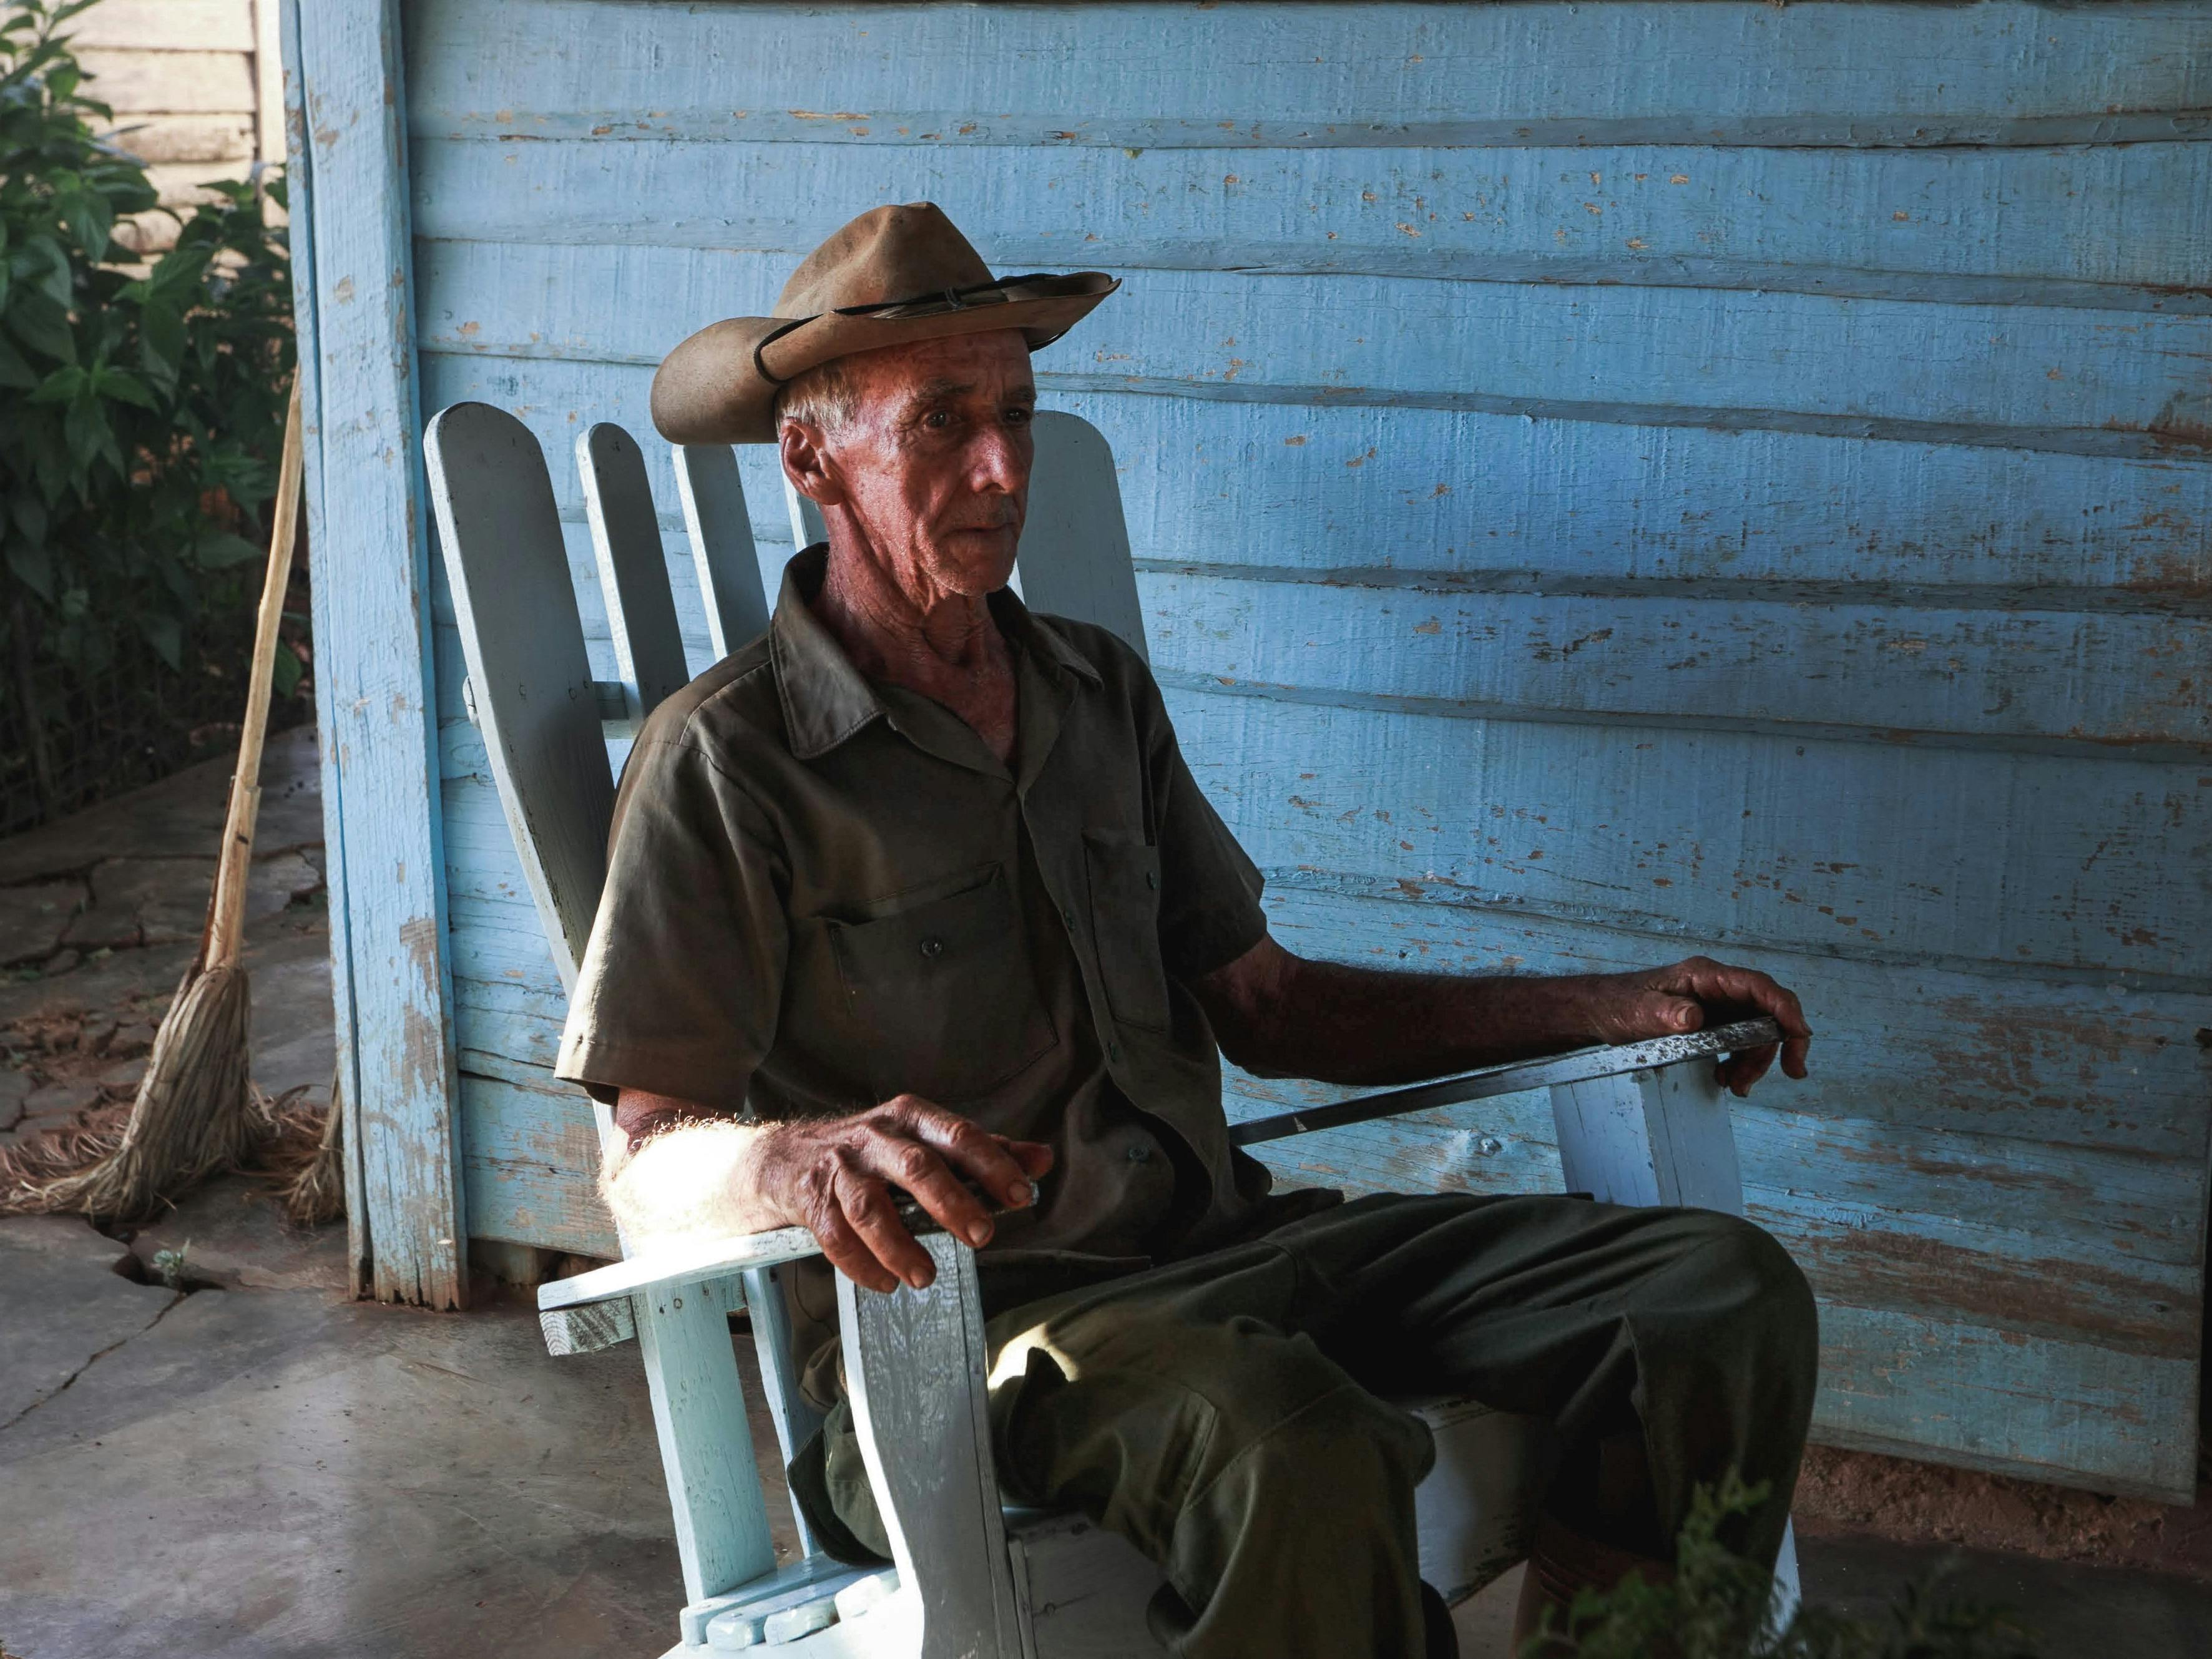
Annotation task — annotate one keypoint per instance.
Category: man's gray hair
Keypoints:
(826, 395)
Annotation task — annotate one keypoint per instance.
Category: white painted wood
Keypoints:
(795, 1419)
(699, 1413)
(1476, 1511)
(1653, 1136)
(803, 1580)
(675, 1266)
(731, 581)
(1080, 1590)
(914, 1365)
(1074, 553)
(524, 642)
(633, 568)
(587, 1329)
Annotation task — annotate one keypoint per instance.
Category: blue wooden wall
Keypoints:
(1607, 480)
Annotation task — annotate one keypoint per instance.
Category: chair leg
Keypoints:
(914, 1365)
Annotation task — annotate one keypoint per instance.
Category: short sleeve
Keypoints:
(682, 981)
(1210, 911)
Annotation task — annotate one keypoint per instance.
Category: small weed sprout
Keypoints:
(169, 1264)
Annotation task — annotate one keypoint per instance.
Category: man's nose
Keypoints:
(1001, 461)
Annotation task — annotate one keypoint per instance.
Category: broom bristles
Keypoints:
(194, 1113)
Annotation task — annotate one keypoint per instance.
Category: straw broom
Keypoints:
(196, 1110)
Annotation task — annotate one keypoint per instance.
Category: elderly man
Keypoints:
(915, 894)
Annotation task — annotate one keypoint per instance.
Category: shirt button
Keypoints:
(932, 948)
(1114, 1052)
(1140, 1155)
(1068, 916)
(1152, 879)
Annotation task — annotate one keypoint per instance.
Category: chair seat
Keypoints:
(1084, 1590)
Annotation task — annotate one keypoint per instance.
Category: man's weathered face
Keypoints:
(934, 461)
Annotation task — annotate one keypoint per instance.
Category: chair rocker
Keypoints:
(1644, 1123)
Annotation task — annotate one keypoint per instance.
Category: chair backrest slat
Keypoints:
(722, 549)
(531, 682)
(633, 568)
(1074, 555)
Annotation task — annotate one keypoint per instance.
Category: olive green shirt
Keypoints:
(823, 891)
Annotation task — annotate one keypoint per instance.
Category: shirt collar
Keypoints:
(826, 699)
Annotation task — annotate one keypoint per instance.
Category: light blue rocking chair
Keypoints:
(1640, 1124)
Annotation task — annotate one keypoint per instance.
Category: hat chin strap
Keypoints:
(768, 339)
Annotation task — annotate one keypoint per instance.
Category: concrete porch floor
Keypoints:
(255, 1466)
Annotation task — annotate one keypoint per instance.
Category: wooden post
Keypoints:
(353, 287)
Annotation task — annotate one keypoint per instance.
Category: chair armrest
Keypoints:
(679, 1264)
(1581, 1065)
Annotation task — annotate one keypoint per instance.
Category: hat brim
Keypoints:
(710, 390)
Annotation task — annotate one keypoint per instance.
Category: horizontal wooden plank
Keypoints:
(166, 26)
(168, 81)
(1469, 496)
(2028, 377)
(1954, 859)
(1992, 1399)
(1672, 650)
(2115, 224)
(530, 1160)
(221, 137)
(1146, 76)
(1424, 490)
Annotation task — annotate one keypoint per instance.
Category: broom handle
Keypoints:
(226, 922)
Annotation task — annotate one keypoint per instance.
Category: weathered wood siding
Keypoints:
(197, 89)
(1609, 480)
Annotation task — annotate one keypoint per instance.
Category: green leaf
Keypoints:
(30, 515)
(167, 639)
(61, 386)
(161, 341)
(83, 430)
(285, 672)
(92, 220)
(13, 371)
(122, 385)
(46, 263)
(43, 325)
(33, 568)
(219, 549)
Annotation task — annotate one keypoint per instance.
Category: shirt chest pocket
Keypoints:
(944, 992)
(1125, 921)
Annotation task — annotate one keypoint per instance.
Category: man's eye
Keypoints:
(936, 419)
(1019, 415)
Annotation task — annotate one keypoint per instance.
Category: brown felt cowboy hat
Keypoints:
(892, 276)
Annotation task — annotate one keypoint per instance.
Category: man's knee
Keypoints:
(1750, 1285)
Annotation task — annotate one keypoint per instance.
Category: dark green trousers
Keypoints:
(1230, 1414)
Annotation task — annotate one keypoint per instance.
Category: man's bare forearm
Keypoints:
(1279, 1015)
(697, 1179)
(1347, 1024)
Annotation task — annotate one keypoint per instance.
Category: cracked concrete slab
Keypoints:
(289, 1475)
(232, 1235)
(63, 1306)
(155, 900)
(33, 919)
(183, 813)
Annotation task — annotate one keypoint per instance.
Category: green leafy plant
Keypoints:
(1719, 1606)
(141, 406)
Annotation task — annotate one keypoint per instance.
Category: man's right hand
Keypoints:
(833, 1176)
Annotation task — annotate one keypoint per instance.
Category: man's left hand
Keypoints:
(1696, 992)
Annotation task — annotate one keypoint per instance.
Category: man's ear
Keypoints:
(808, 464)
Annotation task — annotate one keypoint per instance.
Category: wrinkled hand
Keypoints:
(1699, 992)
(833, 1176)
